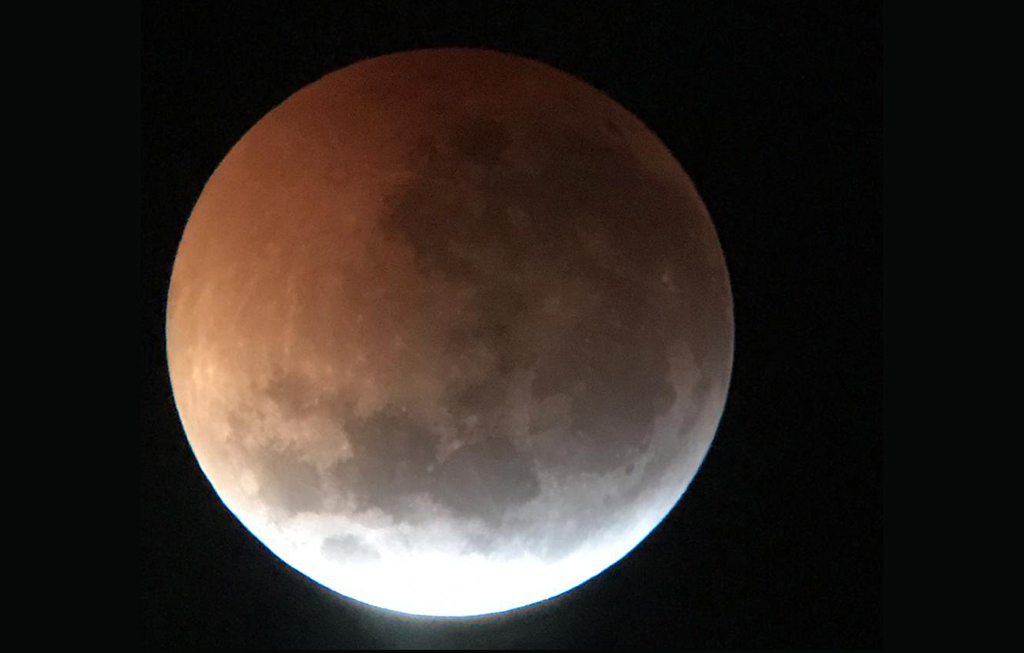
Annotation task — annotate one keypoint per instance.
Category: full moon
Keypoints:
(449, 331)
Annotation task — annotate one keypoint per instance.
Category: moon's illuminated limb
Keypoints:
(449, 331)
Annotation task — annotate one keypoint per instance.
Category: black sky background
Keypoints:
(775, 110)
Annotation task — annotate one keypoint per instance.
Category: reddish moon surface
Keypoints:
(450, 331)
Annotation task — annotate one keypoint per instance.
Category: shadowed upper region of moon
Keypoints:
(449, 315)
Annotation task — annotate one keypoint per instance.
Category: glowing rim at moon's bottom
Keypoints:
(434, 584)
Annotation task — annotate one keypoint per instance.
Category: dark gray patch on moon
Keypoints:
(393, 459)
(486, 478)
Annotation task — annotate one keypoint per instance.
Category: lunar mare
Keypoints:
(449, 331)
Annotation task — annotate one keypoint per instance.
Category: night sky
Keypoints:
(775, 112)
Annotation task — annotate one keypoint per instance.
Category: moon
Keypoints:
(449, 331)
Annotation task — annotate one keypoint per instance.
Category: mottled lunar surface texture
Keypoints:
(450, 331)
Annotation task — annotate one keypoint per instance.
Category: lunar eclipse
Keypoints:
(450, 331)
